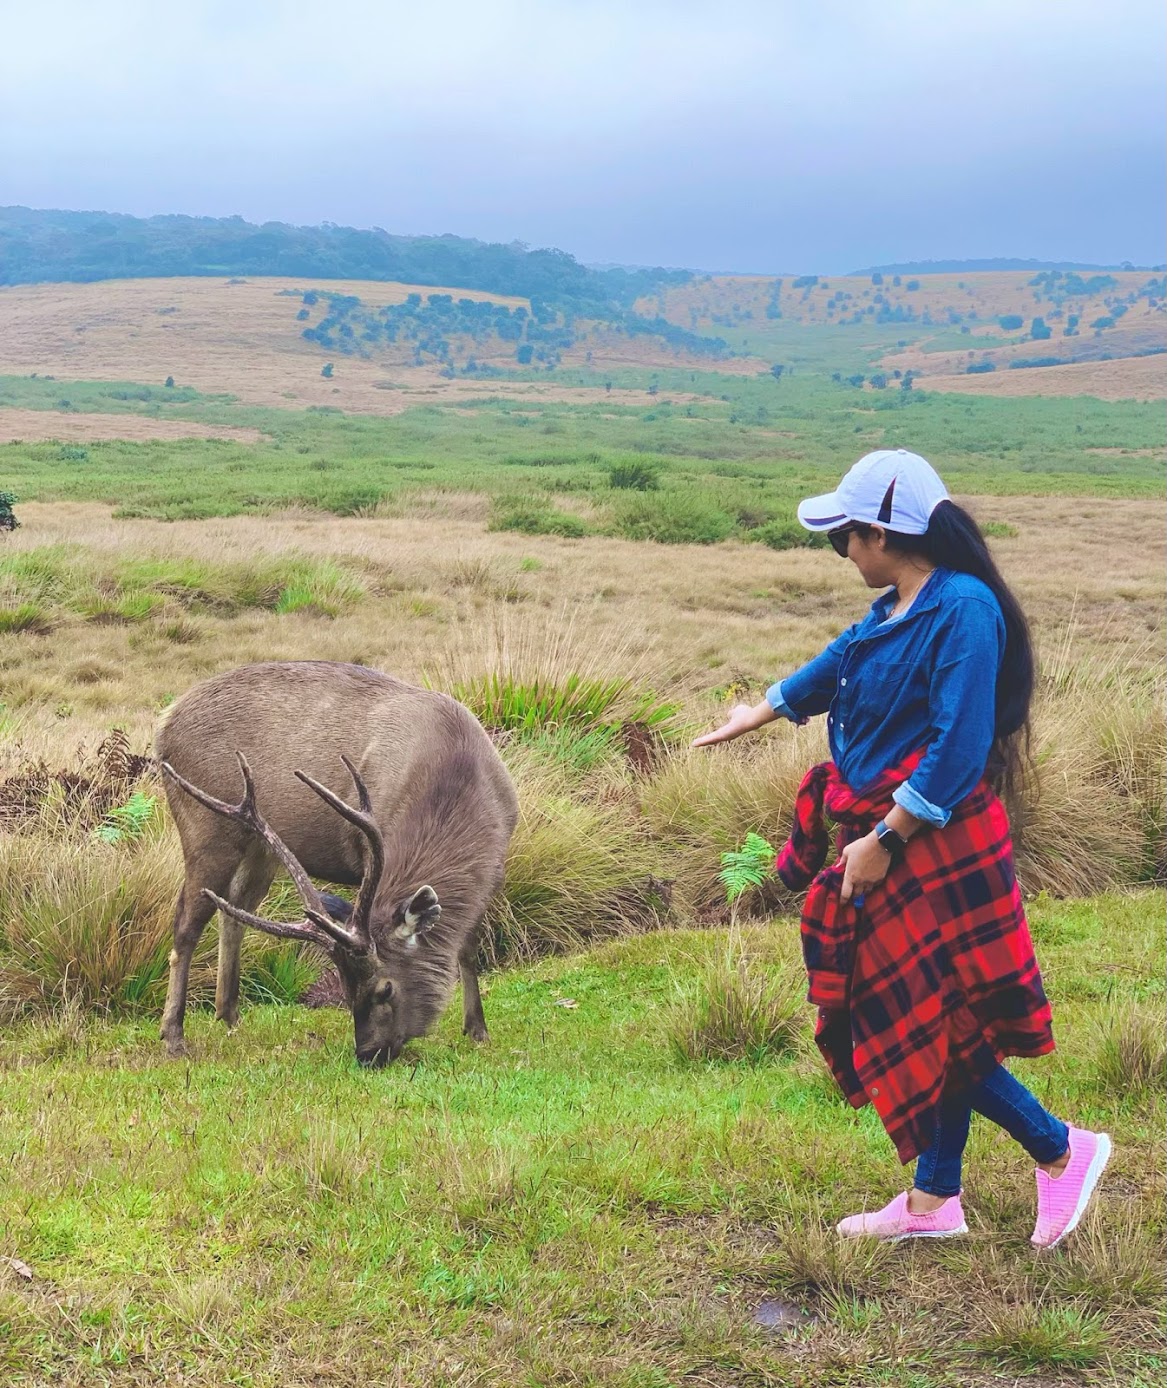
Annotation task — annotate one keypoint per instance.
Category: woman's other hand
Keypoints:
(743, 719)
(865, 864)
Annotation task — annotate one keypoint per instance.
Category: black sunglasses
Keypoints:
(841, 539)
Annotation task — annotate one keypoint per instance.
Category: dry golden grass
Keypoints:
(33, 426)
(989, 292)
(708, 624)
(243, 339)
(1130, 378)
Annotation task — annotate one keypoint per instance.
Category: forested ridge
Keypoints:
(44, 246)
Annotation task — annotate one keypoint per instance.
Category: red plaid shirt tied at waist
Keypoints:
(929, 982)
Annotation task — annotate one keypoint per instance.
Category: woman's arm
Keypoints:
(808, 691)
(743, 719)
(812, 687)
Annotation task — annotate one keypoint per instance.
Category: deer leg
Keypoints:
(248, 888)
(191, 915)
(473, 1022)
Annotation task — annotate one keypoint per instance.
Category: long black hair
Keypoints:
(953, 541)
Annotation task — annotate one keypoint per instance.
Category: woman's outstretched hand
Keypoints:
(743, 719)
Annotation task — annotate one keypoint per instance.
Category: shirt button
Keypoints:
(875, 1091)
(842, 726)
(843, 681)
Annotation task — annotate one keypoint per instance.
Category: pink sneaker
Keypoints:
(896, 1221)
(1062, 1200)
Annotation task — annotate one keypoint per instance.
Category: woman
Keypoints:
(916, 944)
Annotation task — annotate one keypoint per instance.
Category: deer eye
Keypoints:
(383, 991)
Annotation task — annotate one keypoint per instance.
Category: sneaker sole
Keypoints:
(1093, 1176)
(915, 1234)
(930, 1234)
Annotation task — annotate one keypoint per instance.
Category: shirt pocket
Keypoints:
(880, 681)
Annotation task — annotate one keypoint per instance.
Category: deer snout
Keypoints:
(377, 1057)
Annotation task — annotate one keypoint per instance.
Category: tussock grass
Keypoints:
(703, 807)
(1094, 815)
(575, 874)
(742, 1008)
(84, 921)
(1047, 1337)
(1131, 1057)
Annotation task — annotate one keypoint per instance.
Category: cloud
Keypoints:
(708, 128)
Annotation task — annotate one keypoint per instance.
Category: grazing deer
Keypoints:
(425, 844)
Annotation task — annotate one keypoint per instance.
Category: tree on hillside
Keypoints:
(776, 370)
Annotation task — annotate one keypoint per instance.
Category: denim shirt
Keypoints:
(928, 678)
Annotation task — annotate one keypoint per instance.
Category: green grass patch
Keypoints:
(788, 438)
(40, 584)
(571, 1203)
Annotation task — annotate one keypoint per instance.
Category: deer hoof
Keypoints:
(175, 1047)
(476, 1031)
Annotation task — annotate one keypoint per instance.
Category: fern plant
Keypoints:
(746, 867)
(128, 822)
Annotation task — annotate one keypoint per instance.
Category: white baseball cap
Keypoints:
(890, 487)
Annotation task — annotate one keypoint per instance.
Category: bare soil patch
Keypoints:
(36, 426)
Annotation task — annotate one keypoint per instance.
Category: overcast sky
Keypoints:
(765, 135)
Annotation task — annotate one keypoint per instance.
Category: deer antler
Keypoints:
(318, 928)
(363, 820)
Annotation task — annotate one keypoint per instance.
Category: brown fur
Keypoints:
(440, 795)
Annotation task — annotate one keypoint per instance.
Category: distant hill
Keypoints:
(960, 267)
(41, 246)
(53, 247)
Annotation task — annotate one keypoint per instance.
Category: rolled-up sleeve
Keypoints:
(962, 706)
(812, 687)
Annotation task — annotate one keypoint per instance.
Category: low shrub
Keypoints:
(634, 474)
(672, 518)
(534, 518)
(787, 534)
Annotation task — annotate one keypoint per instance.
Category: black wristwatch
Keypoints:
(891, 842)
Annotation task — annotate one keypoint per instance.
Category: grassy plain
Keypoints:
(574, 1204)
(581, 1202)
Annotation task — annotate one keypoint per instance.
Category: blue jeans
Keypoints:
(1008, 1104)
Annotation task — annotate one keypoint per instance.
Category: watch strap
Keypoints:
(889, 840)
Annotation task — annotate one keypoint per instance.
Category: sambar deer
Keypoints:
(425, 845)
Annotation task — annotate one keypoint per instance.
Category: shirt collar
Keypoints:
(927, 598)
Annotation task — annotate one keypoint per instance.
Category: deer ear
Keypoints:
(418, 913)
